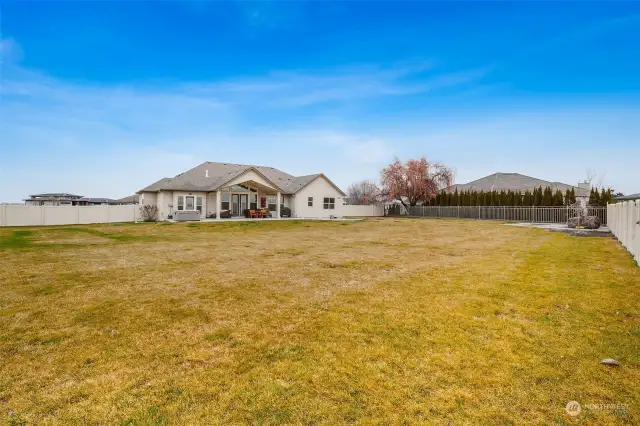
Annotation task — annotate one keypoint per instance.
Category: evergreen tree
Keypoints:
(547, 197)
(594, 199)
(527, 200)
(495, 198)
(454, 198)
(517, 199)
(558, 200)
(572, 200)
(473, 198)
(567, 197)
(537, 196)
(443, 198)
(603, 197)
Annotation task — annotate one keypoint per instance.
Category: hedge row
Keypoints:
(537, 197)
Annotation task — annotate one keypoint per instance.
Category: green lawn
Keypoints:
(386, 321)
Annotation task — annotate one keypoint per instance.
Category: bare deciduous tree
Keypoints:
(363, 192)
(414, 180)
(149, 212)
(592, 178)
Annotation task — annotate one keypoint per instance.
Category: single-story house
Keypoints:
(213, 187)
(64, 199)
(518, 182)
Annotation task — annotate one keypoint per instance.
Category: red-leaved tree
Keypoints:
(414, 180)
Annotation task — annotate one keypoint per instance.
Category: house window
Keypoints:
(271, 200)
(199, 204)
(226, 198)
(180, 202)
(263, 202)
(310, 201)
(329, 203)
(189, 201)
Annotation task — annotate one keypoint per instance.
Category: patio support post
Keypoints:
(218, 205)
(278, 196)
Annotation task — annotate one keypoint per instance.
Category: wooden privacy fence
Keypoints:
(624, 222)
(516, 214)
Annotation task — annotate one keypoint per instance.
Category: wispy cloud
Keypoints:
(110, 140)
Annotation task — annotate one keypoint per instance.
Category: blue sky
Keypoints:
(103, 98)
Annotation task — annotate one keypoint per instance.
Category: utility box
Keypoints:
(186, 215)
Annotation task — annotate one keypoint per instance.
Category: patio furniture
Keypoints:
(252, 214)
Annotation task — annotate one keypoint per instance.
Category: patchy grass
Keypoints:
(386, 321)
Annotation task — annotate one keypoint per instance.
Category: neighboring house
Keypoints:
(131, 199)
(631, 197)
(518, 182)
(64, 199)
(213, 187)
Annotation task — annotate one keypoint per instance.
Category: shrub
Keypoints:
(149, 212)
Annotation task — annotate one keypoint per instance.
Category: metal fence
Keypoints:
(515, 214)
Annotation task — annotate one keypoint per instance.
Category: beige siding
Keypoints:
(318, 189)
(176, 194)
(165, 199)
(250, 176)
(149, 198)
(211, 202)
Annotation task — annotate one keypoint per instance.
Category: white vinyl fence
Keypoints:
(363, 210)
(21, 215)
(624, 222)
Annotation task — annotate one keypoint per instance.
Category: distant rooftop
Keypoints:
(55, 194)
(630, 197)
(515, 182)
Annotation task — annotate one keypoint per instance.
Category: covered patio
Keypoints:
(249, 191)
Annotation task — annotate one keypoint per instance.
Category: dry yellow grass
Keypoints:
(384, 321)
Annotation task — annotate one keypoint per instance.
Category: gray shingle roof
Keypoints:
(628, 197)
(209, 176)
(57, 194)
(131, 199)
(515, 182)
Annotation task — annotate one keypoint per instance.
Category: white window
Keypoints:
(329, 203)
(199, 204)
(226, 198)
(180, 202)
(189, 201)
(310, 201)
